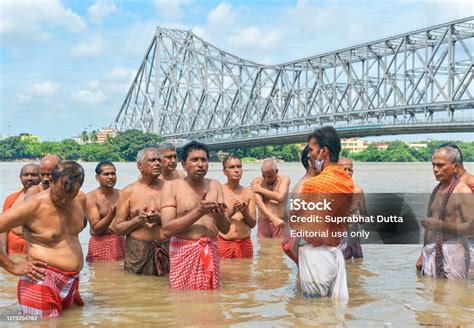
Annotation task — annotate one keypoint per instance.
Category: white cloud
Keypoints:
(222, 17)
(171, 9)
(254, 38)
(200, 32)
(45, 89)
(138, 38)
(312, 17)
(89, 96)
(101, 9)
(34, 21)
(91, 47)
(120, 74)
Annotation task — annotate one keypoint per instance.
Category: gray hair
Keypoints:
(453, 154)
(165, 145)
(141, 153)
(272, 161)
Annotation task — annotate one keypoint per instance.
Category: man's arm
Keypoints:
(173, 225)
(266, 212)
(250, 213)
(279, 194)
(98, 226)
(124, 225)
(3, 242)
(222, 220)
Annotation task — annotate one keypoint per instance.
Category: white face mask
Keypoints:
(318, 164)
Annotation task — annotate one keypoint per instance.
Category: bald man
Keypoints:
(13, 241)
(271, 190)
(353, 248)
(46, 166)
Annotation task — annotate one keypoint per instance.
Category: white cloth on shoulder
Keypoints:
(456, 259)
(322, 272)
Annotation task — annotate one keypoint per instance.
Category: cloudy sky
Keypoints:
(66, 65)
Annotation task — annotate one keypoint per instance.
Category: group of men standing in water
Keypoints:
(170, 224)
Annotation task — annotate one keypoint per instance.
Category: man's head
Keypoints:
(46, 166)
(269, 171)
(346, 164)
(446, 163)
(66, 181)
(195, 157)
(29, 175)
(324, 147)
(106, 174)
(148, 162)
(232, 167)
(452, 145)
(168, 157)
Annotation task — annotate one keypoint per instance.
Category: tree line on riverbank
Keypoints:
(125, 146)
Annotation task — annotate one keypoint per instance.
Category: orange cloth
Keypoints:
(15, 243)
(333, 179)
(335, 185)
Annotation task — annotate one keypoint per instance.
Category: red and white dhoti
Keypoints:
(47, 298)
(194, 264)
(236, 248)
(107, 248)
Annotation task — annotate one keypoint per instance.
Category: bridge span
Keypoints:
(415, 82)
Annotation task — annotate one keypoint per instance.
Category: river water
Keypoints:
(384, 287)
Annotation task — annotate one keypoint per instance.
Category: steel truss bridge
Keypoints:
(416, 82)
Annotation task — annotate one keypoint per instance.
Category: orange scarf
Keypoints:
(333, 179)
(334, 182)
(15, 243)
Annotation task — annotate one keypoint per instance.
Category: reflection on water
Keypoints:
(384, 287)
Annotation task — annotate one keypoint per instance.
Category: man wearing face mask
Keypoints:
(320, 261)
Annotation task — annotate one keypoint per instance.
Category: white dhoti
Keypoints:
(322, 272)
(456, 259)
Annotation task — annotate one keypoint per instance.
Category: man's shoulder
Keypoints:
(462, 188)
(92, 194)
(358, 190)
(34, 190)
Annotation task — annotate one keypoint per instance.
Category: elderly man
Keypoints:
(321, 263)
(51, 221)
(13, 241)
(168, 159)
(271, 191)
(449, 220)
(193, 212)
(104, 244)
(46, 166)
(138, 218)
(353, 248)
(241, 210)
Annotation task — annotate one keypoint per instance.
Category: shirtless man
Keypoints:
(51, 221)
(271, 190)
(46, 166)
(241, 210)
(449, 220)
(168, 159)
(289, 243)
(193, 211)
(13, 241)
(352, 248)
(104, 244)
(138, 218)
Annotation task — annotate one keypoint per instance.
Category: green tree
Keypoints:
(99, 152)
(130, 142)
